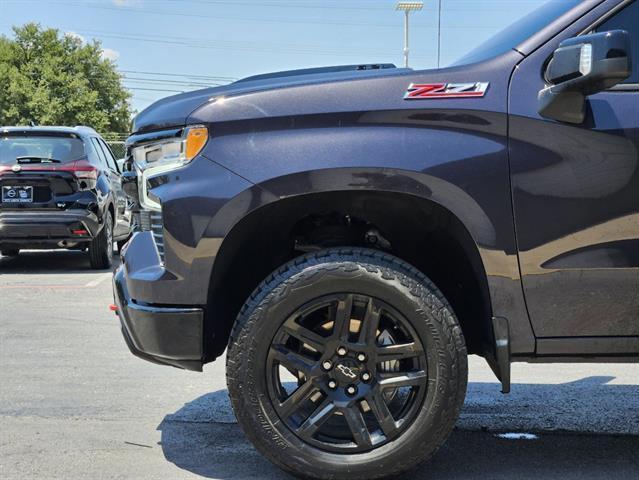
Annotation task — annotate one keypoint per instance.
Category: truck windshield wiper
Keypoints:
(30, 159)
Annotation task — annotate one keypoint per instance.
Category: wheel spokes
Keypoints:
(399, 352)
(357, 425)
(403, 379)
(383, 415)
(305, 335)
(295, 400)
(291, 360)
(315, 420)
(342, 322)
(350, 355)
(370, 324)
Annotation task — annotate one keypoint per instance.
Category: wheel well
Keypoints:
(404, 225)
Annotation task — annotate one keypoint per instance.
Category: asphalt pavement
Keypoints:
(75, 404)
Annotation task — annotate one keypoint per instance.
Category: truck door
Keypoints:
(576, 206)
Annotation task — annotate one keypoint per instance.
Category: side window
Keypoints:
(628, 20)
(100, 152)
(109, 156)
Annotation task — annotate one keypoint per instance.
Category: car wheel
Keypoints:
(347, 364)
(101, 247)
(12, 252)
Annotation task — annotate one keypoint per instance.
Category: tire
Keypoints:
(11, 252)
(101, 247)
(315, 427)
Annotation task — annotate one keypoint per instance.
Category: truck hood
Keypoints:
(294, 94)
(175, 110)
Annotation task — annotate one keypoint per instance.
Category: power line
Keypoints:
(167, 82)
(470, 5)
(224, 44)
(155, 89)
(219, 17)
(164, 74)
(287, 5)
(278, 20)
(324, 5)
(145, 99)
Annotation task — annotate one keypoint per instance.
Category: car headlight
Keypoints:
(173, 152)
(162, 156)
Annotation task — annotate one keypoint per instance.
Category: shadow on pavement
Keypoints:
(203, 437)
(50, 262)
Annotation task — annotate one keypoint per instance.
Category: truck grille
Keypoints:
(151, 221)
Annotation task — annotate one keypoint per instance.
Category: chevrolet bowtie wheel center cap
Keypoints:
(347, 371)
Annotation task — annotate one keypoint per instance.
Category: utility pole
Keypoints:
(408, 7)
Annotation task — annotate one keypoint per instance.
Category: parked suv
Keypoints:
(353, 233)
(61, 188)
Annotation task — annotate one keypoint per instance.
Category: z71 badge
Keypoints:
(420, 91)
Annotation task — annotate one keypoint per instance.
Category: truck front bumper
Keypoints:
(159, 334)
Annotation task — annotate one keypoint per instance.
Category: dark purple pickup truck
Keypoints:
(350, 234)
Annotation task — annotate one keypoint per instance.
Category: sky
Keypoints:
(163, 47)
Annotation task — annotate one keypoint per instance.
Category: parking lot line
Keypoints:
(99, 280)
(31, 287)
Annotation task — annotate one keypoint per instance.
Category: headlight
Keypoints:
(161, 156)
(171, 153)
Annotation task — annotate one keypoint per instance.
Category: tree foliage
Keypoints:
(57, 79)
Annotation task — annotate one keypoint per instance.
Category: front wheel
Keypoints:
(347, 364)
(101, 247)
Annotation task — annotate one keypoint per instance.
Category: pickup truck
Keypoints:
(349, 235)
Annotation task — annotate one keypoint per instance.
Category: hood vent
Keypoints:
(312, 71)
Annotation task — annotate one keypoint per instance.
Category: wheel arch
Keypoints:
(381, 198)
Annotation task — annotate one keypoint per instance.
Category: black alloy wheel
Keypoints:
(345, 356)
(347, 363)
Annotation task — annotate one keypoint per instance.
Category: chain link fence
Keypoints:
(118, 148)
(116, 141)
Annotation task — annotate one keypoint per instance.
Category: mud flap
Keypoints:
(500, 361)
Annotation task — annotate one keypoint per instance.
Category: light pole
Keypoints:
(439, 34)
(408, 7)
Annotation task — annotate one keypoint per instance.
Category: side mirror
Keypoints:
(583, 66)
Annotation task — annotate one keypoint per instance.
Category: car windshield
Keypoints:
(517, 32)
(39, 148)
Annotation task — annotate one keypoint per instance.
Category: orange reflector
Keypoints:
(113, 307)
(196, 138)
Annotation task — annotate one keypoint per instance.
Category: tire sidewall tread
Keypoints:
(256, 415)
(98, 257)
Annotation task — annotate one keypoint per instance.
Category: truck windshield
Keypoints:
(517, 32)
(39, 149)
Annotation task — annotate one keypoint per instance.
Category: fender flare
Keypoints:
(499, 262)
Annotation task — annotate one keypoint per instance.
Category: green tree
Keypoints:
(56, 79)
